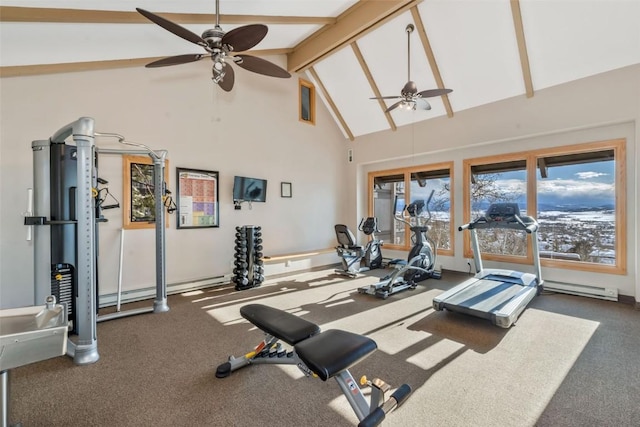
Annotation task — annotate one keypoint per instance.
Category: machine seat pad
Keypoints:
(333, 351)
(282, 325)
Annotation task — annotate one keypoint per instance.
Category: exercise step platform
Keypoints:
(282, 325)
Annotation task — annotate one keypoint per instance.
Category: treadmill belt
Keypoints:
(483, 297)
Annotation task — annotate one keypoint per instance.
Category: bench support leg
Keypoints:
(353, 393)
(269, 351)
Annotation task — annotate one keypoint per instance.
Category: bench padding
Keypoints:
(285, 326)
(333, 351)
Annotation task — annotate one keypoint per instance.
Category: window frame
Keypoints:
(312, 101)
(468, 164)
(619, 149)
(406, 172)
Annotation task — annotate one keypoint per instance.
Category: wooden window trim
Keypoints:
(312, 101)
(127, 160)
(619, 148)
(406, 172)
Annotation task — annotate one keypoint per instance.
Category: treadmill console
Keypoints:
(502, 212)
(415, 208)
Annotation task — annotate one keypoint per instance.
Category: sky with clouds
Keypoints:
(590, 184)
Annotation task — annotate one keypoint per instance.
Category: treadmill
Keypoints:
(495, 294)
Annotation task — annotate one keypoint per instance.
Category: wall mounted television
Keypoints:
(249, 189)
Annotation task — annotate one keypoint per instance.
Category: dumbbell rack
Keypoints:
(248, 269)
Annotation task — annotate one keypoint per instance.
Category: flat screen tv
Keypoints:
(249, 189)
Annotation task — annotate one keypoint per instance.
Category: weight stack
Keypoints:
(248, 269)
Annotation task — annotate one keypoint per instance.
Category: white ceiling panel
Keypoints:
(568, 40)
(473, 41)
(49, 43)
(476, 50)
(344, 79)
(232, 7)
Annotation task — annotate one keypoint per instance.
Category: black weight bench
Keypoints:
(325, 355)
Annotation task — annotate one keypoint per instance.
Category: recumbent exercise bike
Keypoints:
(421, 262)
(356, 258)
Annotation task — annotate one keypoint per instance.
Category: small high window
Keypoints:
(307, 106)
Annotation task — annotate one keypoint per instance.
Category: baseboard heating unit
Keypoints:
(176, 288)
(610, 294)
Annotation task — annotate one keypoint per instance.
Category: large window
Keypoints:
(391, 191)
(577, 194)
(504, 181)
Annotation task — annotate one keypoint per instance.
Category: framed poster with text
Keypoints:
(197, 199)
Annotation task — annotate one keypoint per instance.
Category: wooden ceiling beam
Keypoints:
(522, 47)
(79, 16)
(71, 67)
(372, 83)
(360, 19)
(332, 104)
(417, 19)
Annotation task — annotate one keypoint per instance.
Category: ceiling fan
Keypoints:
(221, 48)
(410, 98)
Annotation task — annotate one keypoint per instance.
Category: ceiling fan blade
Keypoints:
(434, 92)
(394, 106)
(422, 104)
(261, 66)
(175, 60)
(174, 28)
(387, 97)
(229, 78)
(246, 37)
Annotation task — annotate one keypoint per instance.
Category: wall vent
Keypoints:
(176, 288)
(610, 294)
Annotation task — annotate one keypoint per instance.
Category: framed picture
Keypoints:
(139, 192)
(197, 198)
(285, 189)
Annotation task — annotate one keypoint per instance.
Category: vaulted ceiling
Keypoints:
(485, 50)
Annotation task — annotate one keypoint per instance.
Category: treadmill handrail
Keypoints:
(528, 224)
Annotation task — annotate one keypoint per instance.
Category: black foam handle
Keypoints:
(377, 416)
(373, 419)
(401, 394)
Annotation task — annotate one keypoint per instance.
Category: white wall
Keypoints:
(251, 131)
(597, 108)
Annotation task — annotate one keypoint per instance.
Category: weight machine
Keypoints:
(62, 222)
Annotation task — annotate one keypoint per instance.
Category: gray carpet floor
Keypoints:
(568, 361)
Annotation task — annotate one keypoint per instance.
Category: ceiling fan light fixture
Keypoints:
(409, 105)
(220, 45)
(409, 95)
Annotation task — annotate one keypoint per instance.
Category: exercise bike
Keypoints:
(356, 258)
(421, 261)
